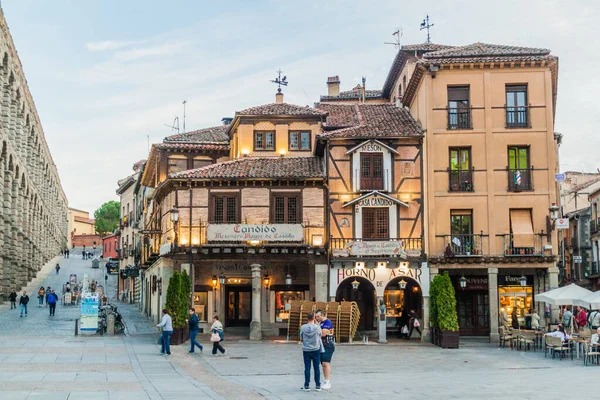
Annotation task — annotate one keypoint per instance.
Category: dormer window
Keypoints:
(299, 140)
(177, 164)
(264, 140)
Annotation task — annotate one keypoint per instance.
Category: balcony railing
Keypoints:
(533, 246)
(520, 180)
(460, 180)
(412, 246)
(517, 117)
(463, 245)
(459, 118)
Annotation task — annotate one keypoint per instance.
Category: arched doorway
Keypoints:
(364, 296)
(400, 300)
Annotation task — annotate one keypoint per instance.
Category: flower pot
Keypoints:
(448, 339)
(177, 336)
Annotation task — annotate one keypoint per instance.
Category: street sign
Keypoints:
(559, 177)
(562, 223)
(577, 259)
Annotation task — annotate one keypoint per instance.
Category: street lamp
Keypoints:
(214, 281)
(267, 280)
(463, 282)
(222, 279)
(523, 281)
(175, 220)
(553, 212)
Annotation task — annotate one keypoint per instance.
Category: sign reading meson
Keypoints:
(264, 232)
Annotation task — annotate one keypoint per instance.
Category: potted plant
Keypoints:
(173, 305)
(444, 319)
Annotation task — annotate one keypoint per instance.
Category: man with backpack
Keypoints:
(594, 319)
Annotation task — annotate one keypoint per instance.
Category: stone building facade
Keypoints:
(33, 212)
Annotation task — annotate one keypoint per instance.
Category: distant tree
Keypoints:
(107, 217)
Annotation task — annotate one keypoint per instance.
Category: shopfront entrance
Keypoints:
(239, 305)
(472, 305)
(364, 296)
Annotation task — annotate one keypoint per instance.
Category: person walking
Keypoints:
(193, 325)
(48, 291)
(57, 268)
(217, 328)
(52, 299)
(328, 345)
(166, 323)
(13, 299)
(23, 303)
(414, 324)
(41, 295)
(310, 334)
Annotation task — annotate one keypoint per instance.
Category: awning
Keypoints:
(522, 228)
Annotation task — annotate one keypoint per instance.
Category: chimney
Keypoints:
(333, 86)
(363, 90)
(226, 120)
(279, 98)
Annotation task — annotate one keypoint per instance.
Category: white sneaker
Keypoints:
(326, 385)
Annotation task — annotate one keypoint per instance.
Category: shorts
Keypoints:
(326, 356)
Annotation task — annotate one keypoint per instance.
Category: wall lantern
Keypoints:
(462, 282)
(267, 280)
(288, 280)
(355, 284)
(402, 284)
(174, 215)
(222, 279)
(317, 240)
(214, 281)
(553, 212)
(415, 289)
(523, 281)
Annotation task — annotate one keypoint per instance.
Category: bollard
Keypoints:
(76, 326)
(110, 324)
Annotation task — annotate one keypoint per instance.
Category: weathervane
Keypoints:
(398, 35)
(280, 81)
(425, 25)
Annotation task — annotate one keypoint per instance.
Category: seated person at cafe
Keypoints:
(559, 332)
(595, 338)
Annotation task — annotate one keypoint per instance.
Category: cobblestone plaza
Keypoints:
(40, 358)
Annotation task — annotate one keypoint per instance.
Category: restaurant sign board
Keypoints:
(262, 232)
(372, 248)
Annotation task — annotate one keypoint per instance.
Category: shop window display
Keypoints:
(283, 301)
(200, 305)
(517, 297)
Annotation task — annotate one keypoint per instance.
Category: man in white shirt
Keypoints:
(595, 340)
(594, 319)
(167, 330)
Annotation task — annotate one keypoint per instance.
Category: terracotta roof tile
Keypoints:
(212, 134)
(220, 146)
(281, 109)
(354, 95)
(425, 47)
(259, 167)
(368, 121)
(483, 52)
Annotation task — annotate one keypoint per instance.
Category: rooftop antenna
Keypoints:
(398, 35)
(280, 81)
(426, 25)
(175, 126)
(184, 115)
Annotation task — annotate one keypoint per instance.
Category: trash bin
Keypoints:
(95, 263)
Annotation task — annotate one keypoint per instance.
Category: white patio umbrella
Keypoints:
(591, 301)
(569, 295)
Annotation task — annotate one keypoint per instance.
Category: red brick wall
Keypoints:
(87, 240)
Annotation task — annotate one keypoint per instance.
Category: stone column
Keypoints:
(381, 320)
(493, 300)
(553, 284)
(321, 282)
(255, 325)
(2, 249)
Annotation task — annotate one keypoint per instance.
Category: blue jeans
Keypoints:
(41, 300)
(23, 307)
(166, 342)
(193, 341)
(315, 358)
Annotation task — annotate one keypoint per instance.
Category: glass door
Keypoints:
(239, 305)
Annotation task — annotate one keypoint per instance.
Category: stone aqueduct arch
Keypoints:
(33, 205)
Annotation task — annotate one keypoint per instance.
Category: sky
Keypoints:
(106, 75)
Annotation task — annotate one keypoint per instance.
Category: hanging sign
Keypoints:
(372, 248)
(562, 223)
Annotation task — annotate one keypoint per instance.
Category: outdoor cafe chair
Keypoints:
(555, 345)
(527, 339)
(504, 336)
(590, 352)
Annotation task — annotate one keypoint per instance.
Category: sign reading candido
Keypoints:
(372, 248)
(263, 232)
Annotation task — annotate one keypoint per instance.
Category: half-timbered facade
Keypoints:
(373, 154)
(248, 227)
